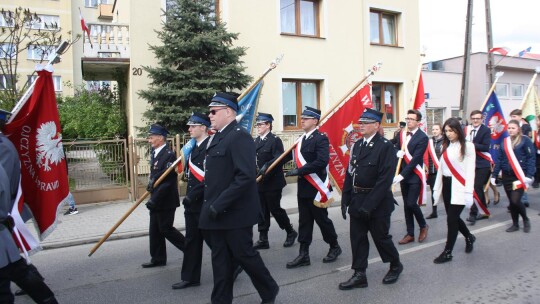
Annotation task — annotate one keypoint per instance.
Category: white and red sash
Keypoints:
(418, 170)
(196, 171)
(324, 195)
(457, 172)
(536, 141)
(21, 234)
(514, 163)
(433, 154)
(484, 155)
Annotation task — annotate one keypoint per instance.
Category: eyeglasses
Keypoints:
(410, 119)
(476, 118)
(213, 112)
(260, 124)
(365, 123)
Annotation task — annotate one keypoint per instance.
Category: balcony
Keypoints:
(106, 51)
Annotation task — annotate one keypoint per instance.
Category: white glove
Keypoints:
(397, 179)
(400, 154)
(528, 181)
(468, 197)
(493, 179)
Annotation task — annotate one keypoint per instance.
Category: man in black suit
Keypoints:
(480, 136)
(412, 144)
(269, 147)
(231, 204)
(194, 170)
(368, 197)
(311, 165)
(164, 199)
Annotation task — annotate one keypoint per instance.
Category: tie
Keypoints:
(152, 156)
(364, 143)
(473, 134)
(409, 133)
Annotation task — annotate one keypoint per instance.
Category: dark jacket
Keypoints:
(195, 188)
(268, 150)
(165, 195)
(417, 146)
(437, 144)
(230, 185)
(481, 141)
(525, 154)
(372, 166)
(316, 152)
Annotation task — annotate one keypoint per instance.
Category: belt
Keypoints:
(361, 189)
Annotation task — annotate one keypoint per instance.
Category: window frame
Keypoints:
(56, 19)
(397, 102)
(299, 107)
(56, 80)
(40, 48)
(506, 88)
(382, 13)
(4, 82)
(297, 19)
(13, 52)
(514, 85)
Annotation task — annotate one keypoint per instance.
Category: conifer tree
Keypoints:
(197, 58)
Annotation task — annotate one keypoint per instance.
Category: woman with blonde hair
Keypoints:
(517, 162)
(454, 184)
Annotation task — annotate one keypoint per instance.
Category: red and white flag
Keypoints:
(35, 131)
(343, 131)
(501, 50)
(85, 28)
(420, 103)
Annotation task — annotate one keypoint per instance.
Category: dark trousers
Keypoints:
(431, 182)
(161, 228)
(230, 248)
(537, 174)
(453, 219)
(28, 278)
(270, 204)
(481, 177)
(411, 193)
(310, 214)
(191, 265)
(379, 228)
(514, 196)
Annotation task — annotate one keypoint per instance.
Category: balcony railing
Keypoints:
(109, 40)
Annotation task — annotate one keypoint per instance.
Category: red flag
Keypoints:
(343, 131)
(35, 131)
(420, 103)
(85, 28)
(501, 50)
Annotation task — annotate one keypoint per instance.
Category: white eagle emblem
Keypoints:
(49, 146)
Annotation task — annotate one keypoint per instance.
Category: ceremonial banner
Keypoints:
(531, 106)
(35, 131)
(493, 118)
(420, 103)
(343, 131)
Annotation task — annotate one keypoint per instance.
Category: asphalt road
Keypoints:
(503, 268)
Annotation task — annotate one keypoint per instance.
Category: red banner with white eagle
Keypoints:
(35, 131)
(343, 131)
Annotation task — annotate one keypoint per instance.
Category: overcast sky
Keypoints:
(515, 23)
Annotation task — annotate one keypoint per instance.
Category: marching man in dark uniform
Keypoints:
(315, 153)
(269, 147)
(231, 204)
(191, 265)
(164, 199)
(368, 197)
(14, 268)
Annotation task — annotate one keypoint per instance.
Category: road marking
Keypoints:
(431, 244)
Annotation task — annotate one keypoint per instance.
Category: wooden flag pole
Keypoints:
(497, 76)
(326, 114)
(137, 203)
(273, 65)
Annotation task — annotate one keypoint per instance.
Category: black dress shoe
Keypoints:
(393, 274)
(358, 280)
(469, 241)
(152, 264)
(291, 237)
(472, 219)
(432, 216)
(332, 255)
(185, 284)
(261, 244)
(273, 299)
(20, 292)
(512, 228)
(445, 256)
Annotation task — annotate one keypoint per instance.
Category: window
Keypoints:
(41, 52)
(434, 115)
(57, 81)
(4, 22)
(95, 85)
(7, 50)
(7, 82)
(501, 89)
(94, 3)
(517, 90)
(385, 99)
(296, 94)
(300, 17)
(45, 22)
(382, 27)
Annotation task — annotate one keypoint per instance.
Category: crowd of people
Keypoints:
(235, 182)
